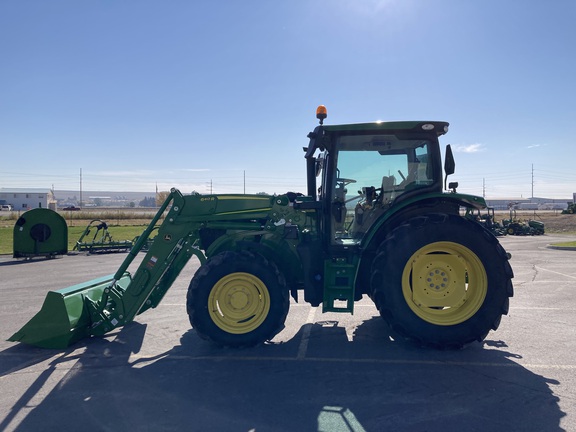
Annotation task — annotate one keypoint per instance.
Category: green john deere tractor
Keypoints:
(374, 221)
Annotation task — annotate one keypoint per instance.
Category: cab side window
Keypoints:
(369, 179)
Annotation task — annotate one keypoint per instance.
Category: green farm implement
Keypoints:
(518, 227)
(101, 241)
(487, 219)
(570, 209)
(40, 232)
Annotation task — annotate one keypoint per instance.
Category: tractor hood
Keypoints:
(227, 207)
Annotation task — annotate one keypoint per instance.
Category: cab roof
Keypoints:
(439, 127)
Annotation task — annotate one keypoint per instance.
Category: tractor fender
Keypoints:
(406, 210)
(398, 214)
(279, 251)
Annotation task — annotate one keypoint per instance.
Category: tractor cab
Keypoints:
(362, 170)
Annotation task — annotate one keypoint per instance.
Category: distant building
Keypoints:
(505, 203)
(22, 199)
(527, 203)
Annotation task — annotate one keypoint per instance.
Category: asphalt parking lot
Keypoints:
(324, 372)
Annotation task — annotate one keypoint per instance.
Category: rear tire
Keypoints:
(441, 280)
(237, 299)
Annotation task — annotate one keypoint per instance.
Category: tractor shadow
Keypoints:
(321, 379)
(31, 260)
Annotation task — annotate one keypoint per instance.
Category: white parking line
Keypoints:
(540, 308)
(303, 347)
(143, 360)
(555, 272)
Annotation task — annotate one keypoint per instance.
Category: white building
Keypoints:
(506, 203)
(527, 203)
(22, 199)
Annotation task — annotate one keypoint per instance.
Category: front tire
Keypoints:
(237, 299)
(441, 280)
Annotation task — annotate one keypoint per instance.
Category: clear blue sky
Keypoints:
(221, 94)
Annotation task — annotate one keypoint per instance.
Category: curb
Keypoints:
(566, 248)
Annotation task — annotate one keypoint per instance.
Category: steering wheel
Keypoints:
(345, 181)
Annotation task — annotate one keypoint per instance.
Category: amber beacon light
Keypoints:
(321, 113)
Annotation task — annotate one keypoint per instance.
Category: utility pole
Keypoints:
(532, 180)
(80, 204)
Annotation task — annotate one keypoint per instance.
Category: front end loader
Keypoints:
(377, 220)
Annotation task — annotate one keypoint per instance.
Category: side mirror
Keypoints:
(449, 163)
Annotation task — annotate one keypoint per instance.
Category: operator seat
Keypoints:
(368, 211)
(388, 192)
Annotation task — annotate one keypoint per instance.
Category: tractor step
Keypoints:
(339, 280)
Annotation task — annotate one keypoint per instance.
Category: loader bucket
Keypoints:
(64, 317)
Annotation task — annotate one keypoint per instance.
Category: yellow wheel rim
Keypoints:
(444, 283)
(239, 303)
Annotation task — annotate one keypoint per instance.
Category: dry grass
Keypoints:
(113, 217)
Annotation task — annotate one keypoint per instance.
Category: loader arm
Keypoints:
(172, 248)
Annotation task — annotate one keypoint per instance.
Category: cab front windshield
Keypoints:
(373, 170)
